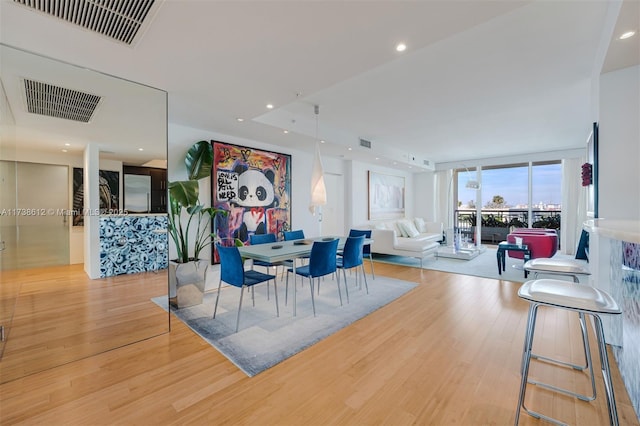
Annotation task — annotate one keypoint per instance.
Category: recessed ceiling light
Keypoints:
(627, 35)
(269, 106)
(377, 158)
(322, 140)
(67, 144)
(64, 150)
(401, 47)
(349, 148)
(140, 149)
(240, 119)
(285, 131)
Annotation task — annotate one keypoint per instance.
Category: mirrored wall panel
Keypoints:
(53, 117)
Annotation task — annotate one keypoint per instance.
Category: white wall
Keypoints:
(424, 196)
(619, 144)
(357, 191)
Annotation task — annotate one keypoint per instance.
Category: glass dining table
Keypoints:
(288, 250)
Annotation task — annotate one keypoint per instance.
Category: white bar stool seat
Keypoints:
(567, 267)
(585, 300)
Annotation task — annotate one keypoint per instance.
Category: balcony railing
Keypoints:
(497, 223)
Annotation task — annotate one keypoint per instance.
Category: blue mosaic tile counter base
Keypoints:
(132, 244)
(625, 270)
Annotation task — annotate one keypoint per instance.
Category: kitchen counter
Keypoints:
(614, 261)
(623, 230)
(133, 243)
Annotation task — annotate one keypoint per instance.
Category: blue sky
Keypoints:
(511, 183)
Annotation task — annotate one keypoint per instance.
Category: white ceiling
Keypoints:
(478, 79)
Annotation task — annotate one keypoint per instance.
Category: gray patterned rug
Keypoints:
(485, 265)
(265, 340)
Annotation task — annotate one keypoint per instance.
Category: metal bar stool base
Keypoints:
(581, 299)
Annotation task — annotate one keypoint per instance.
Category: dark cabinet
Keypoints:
(158, 190)
(158, 186)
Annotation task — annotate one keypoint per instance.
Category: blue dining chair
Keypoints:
(322, 261)
(232, 272)
(366, 248)
(255, 239)
(352, 258)
(295, 235)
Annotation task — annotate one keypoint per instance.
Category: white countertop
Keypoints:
(623, 230)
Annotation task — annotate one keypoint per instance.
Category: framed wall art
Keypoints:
(109, 194)
(592, 159)
(386, 196)
(254, 187)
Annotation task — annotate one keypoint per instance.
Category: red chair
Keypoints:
(541, 242)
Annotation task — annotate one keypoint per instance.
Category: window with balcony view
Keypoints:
(508, 200)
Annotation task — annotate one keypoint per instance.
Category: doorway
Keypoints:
(35, 226)
(333, 211)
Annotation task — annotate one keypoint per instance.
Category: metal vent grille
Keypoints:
(365, 143)
(426, 162)
(117, 19)
(55, 101)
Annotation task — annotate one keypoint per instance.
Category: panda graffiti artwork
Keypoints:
(254, 188)
(255, 195)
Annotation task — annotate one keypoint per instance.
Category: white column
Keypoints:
(479, 207)
(91, 211)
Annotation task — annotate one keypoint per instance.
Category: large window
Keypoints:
(524, 194)
(545, 186)
(508, 186)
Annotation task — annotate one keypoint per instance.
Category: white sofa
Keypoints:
(405, 237)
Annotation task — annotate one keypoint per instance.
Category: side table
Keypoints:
(501, 255)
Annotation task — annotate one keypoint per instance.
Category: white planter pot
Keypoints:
(186, 282)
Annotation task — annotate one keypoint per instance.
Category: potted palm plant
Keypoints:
(190, 233)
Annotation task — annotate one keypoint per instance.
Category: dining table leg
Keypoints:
(295, 287)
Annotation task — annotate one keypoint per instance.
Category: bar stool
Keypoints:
(582, 299)
(568, 267)
(573, 269)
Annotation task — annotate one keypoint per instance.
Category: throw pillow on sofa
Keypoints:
(395, 225)
(408, 228)
(420, 225)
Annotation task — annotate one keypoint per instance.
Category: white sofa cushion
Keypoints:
(420, 224)
(395, 225)
(408, 229)
(411, 244)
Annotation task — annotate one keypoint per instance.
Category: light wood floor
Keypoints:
(446, 353)
(58, 315)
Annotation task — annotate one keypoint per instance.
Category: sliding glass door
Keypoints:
(513, 195)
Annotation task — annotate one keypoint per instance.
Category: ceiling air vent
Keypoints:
(426, 162)
(118, 20)
(55, 101)
(365, 143)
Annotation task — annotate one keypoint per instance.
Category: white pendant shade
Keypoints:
(318, 189)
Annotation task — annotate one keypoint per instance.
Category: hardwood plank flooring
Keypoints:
(60, 315)
(447, 352)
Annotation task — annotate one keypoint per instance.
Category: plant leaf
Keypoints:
(184, 192)
(199, 160)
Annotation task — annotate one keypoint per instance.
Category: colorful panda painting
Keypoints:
(254, 187)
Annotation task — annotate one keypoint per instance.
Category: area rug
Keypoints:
(265, 340)
(484, 265)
